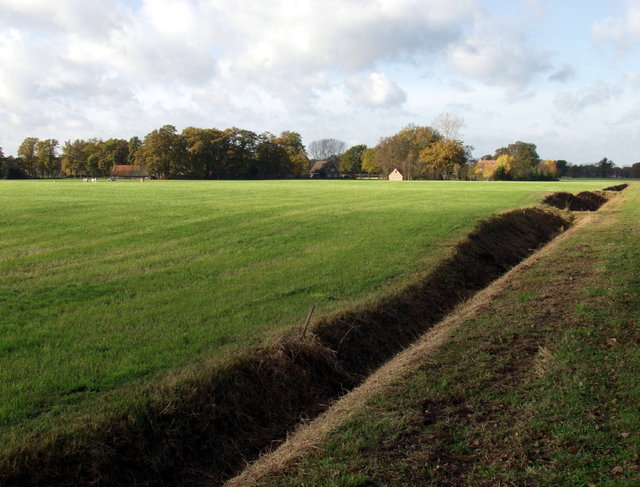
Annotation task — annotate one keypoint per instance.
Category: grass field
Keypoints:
(103, 285)
(540, 387)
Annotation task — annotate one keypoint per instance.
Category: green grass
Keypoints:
(103, 285)
(541, 387)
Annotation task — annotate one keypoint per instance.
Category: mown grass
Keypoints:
(539, 388)
(103, 285)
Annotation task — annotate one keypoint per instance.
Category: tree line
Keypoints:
(192, 154)
(425, 153)
(418, 152)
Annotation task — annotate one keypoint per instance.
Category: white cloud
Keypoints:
(497, 55)
(624, 32)
(375, 90)
(599, 94)
(564, 74)
(579, 100)
(71, 57)
(346, 35)
(81, 18)
(104, 68)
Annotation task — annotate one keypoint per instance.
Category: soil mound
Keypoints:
(561, 200)
(592, 200)
(619, 187)
(584, 201)
(209, 422)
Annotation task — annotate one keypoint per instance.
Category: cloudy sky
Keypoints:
(563, 74)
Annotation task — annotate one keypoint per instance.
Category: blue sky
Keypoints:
(564, 75)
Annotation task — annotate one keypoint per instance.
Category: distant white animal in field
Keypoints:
(85, 180)
(94, 180)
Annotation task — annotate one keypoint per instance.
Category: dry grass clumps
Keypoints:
(208, 421)
(584, 201)
(203, 424)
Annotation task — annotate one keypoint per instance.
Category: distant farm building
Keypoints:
(396, 175)
(124, 171)
(324, 169)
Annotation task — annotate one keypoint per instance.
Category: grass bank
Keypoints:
(540, 387)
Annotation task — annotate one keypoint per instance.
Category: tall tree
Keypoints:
(28, 155)
(204, 152)
(239, 154)
(163, 153)
(548, 169)
(113, 152)
(443, 159)
(524, 159)
(351, 160)
(448, 125)
(325, 148)
(395, 153)
(272, 159)
(402, 150)
(369, 161)
(74, 157)
(292, 143)
(46, 152)
(505, 167)
(562, 166)
(92, 149)
(605, 167)
(4, 168)
(133, 145)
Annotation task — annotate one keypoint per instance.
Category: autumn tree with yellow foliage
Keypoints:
(443, 159)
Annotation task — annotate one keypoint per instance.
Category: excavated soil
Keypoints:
(206, 426)
(584, 201)
(618, 187)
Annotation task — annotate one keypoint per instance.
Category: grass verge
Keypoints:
(541, 387)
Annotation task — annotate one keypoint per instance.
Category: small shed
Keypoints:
(128, 172)
(324, 169)
(396, 176)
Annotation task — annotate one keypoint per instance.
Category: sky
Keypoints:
(562, 74)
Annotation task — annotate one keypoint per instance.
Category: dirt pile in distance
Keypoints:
(618, 187)
(584, 201)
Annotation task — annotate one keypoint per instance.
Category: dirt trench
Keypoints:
(206, 427)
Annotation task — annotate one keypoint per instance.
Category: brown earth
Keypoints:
(584, 201)
(618, 187)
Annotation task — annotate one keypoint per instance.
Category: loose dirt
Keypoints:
(617, 187)
(584, 201)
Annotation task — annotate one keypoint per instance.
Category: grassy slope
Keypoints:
(104, 284)
(540, 388)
